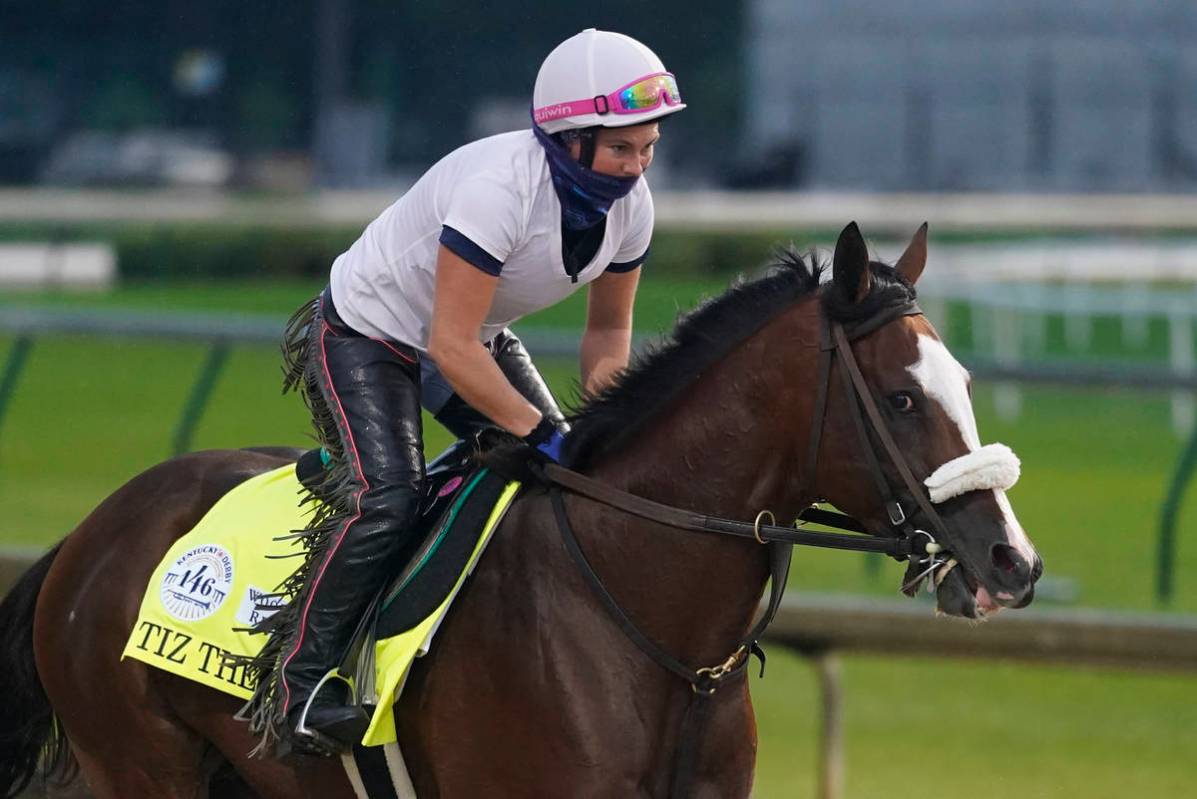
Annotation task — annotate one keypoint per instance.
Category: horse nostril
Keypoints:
(1007, 560)
(1016, 573)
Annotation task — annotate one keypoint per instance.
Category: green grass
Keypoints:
(1106, 338)
(89, 414)
(931, 729)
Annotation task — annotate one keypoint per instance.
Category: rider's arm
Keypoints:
(607, 342)
(463, 296)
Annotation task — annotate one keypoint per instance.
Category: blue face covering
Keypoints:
(586, 196)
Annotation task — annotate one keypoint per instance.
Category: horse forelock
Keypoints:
(888, 289)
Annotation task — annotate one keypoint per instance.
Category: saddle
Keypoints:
(443, 479)
(458, 497)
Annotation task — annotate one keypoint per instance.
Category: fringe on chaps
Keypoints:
(302, 371)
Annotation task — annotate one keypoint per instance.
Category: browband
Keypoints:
(862, 328)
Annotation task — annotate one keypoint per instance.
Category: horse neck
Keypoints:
(736, 441)
(732, 446)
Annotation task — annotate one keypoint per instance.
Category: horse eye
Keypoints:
(902, 401)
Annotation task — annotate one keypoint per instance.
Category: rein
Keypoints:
(920, 547)
(900, 548)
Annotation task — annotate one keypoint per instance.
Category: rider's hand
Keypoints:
(547, 439)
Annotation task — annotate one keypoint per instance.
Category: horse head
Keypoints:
(788, 389)
(922, 399)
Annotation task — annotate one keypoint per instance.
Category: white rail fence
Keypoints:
(890, 213)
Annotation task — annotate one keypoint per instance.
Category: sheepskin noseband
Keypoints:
(992, 466)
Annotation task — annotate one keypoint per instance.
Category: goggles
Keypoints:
(642, 94)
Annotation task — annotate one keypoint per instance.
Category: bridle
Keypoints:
(905, 541)
(924, 550)
(835, 343)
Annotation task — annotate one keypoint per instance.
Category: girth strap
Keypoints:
(685, 759)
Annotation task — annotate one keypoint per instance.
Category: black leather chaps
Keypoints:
(368, 414)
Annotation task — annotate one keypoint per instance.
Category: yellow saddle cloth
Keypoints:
(214, 581)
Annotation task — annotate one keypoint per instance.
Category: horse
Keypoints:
(532, 690)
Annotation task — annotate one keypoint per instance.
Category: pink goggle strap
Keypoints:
(600, 104)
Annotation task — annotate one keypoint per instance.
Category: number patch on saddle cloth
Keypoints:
(197, 583)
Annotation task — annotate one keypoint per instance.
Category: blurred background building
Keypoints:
(335, 92)
(966, 95)
(923, 95)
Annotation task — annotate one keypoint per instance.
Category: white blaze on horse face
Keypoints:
(945, 381)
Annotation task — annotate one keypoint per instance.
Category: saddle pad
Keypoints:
(403, 636)
(211, 582)
(214, 582)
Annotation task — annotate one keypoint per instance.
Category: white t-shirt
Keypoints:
(496, 193)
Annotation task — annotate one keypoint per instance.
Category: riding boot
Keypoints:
(364, 394)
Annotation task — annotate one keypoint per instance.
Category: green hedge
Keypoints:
(210, 250)
(184, 250)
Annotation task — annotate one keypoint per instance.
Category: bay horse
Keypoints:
(531, 689)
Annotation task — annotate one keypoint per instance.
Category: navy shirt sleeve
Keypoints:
(628, 266)
(461, 246)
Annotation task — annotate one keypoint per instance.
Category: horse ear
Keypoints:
(850, 265)
(911, 264)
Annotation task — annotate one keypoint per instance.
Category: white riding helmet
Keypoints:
(605, 79)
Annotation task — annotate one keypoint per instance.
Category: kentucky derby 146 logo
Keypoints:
(197, 583)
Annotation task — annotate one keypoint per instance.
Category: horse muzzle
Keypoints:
(998, 566)
(959, 593)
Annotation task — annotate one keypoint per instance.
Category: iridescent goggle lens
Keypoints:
(645, 94)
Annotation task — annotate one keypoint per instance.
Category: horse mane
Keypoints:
(660, 373)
